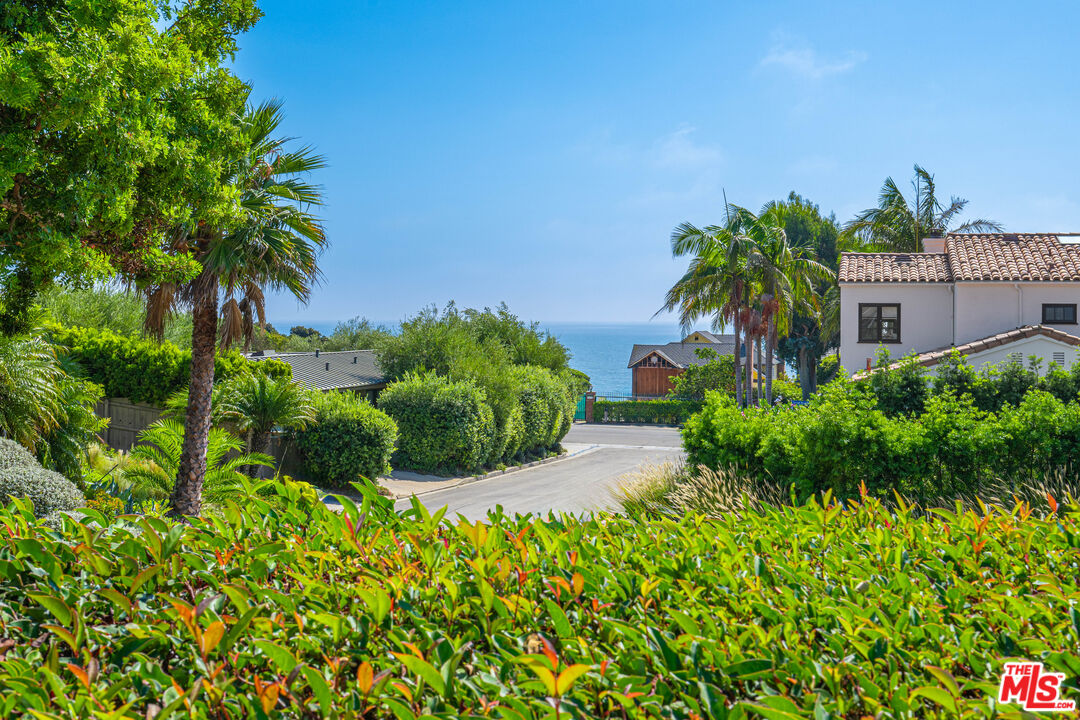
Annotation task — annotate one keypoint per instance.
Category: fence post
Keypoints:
(590, 398)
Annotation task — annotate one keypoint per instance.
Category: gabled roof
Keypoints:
(712, 337)
(974, 257)
(349, 369)
(679, 354)
(934, 357)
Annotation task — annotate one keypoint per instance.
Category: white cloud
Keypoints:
(803, 61)
(679, 150)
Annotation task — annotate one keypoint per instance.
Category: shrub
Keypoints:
(669, 412)
(716, 374)
(22, 477)
(144, 371)
(284, 611)
(843, 440)
(442, 425)
(348, 440)
(546, 406)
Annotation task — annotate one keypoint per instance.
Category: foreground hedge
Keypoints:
(290, 611)
(145, 371)
(22, 477)
(843, 439)
(669, 412)
(348, 439)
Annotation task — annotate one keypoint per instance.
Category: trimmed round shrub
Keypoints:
(348, 440)
(547, 407)
(443, 425)
(22, 477)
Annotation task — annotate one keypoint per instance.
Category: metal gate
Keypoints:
(579, 412)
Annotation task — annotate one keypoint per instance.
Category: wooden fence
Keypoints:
(126, 419)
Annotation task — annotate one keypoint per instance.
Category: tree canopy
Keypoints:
(116, 121)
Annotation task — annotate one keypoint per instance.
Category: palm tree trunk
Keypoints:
(804, 371)
(738, 362)
(748, 387)
(186, 499)
(757, 361)
(259, 442)
(769, 349)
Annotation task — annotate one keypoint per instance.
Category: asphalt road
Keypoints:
(578, 484)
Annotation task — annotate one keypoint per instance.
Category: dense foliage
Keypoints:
(668, 412)
(117, 117)
(843, 438)
(348, 439)
(442, 425)
(22, 477)
(290, 610)
(905, 387)
(718, 373)
(144, 371)
(105, 307)
(521, 371)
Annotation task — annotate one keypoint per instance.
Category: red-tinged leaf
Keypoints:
(1053, 503)
(603, 666)
(365, 677)
(81, 674)
(64, 634)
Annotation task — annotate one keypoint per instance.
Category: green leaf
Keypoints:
(320, 689)
(424, 670)
(54, 605)
(284, 660)
(936, 694)
(559, 619)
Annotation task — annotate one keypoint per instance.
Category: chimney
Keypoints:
(934, 242)
(327, 366)
(316, 352)
(354, 358)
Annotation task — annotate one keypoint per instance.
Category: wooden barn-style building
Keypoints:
(654, 366)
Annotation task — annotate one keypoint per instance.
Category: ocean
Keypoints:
(600, 350)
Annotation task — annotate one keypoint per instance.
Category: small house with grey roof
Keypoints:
(355, 371)
(993, 297)
(655, 366)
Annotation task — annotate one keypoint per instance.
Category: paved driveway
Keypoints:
(600, 454)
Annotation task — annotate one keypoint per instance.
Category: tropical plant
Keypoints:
(254, 405)
(716, 284)
(788, 275)
(29, 389)
(897, 225)
(275, 245)
(159, 455)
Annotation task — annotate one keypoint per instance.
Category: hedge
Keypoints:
(145, 371)
(670, 412)
(546, 405)
(843, 439)
(288, 610)
(443, 426)
(347, 440)
(21, 476)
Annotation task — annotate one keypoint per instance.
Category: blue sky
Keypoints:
(541, 152)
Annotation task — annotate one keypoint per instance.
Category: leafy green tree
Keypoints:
(718, 373)
(899, 225)
(116, 119)
(276, 245)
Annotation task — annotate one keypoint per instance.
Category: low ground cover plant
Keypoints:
(288, 610)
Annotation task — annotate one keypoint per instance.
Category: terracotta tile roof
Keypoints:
(933, 357)
(894, 267)
(1009, 257)
(1015, 257)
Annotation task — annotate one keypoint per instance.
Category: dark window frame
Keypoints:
(879, 339)
(1055, 306)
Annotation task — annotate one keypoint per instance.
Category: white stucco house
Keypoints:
(993, 297)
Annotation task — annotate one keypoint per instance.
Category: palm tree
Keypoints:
(29, 389)
(715, 282)
(276, 245)
(898, 226)
(160, 452)
(255, 404)
(787, 274)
